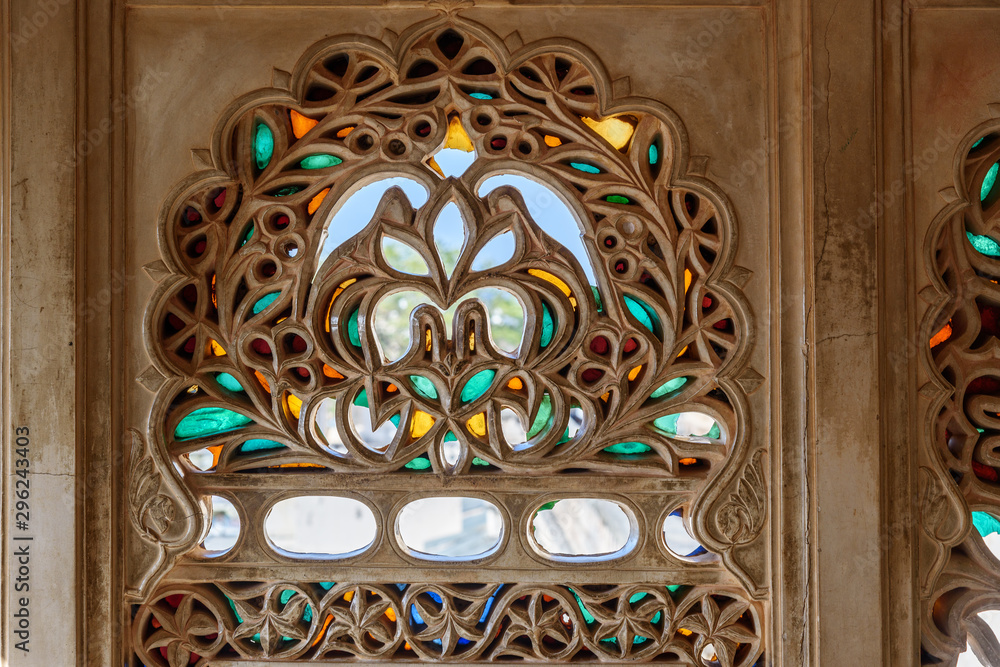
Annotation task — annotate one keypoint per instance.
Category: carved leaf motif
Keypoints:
(151, 512)
(743, 515)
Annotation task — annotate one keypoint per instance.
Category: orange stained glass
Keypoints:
(392, 389)
(515, 384)
(477, 425)
(634, 373)
(344, 131)
(552, 141)
(614, 130)
(317, 200)
(215, 298)
(420, 424)
(330, 373)
(322, 633)
(432, 163)
(390, 614)
(216, 454)
(301, 124)
(687, 279)
(263, 381)
(688, 461)
(942, 336)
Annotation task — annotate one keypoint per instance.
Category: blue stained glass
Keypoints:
(204, 422)
(989, 181)
(265, 301)
(583, 166)
(229, 382)
(985, 523)
(984, 244)
(259, 444)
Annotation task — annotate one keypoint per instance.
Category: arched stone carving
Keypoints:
(959, 576)
(252, 332)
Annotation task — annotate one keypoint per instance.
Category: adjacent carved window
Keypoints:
(959, 475)
(575, 395)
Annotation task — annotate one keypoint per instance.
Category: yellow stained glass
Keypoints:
(390, 614)
(545, 275)
(432, 163)
(294, 404)
(681, 353)
(420, 424)
(336, 293)
(457, 136)
(317, 200)
(428, 338)
(193, 389)
(301, 124)
(472, 340)
(606, 396)
(687, 279)
(217, 349)
(614, 130)
(348, 596)
(477, 425)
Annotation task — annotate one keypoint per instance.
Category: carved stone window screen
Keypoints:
(248, 298)
(959, 461)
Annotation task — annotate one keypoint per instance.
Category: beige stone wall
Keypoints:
(832, 127)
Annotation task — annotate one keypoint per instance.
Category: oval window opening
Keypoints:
(320, 526)
(583, 529)
(450, 528)
(224, 527)
(679, 541)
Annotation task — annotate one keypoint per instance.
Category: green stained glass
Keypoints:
(419, 463)
(424, 386)
(258, 445)
(667, 423)
(617, 199)
(287, 595)
(450, 437)
(588, 618)
(583, 166)
(637, 596)
(628, 448)
(263, 145)
(265, 301)
(476, 461)
(320, 161)
(989, 181)
(673, 588)
(716, 432)
(394, 420)
(229, 382)
(548, 326)
(543, 417)
(352, 329)
(481, 96)
(249, 235)
(327, 585)
(286, 191)
(477, 385)
(984, 244)
(669, 387)
(239, 619)
(361, 400)
(981, 140)
(986, 524)
(654, 154)
(204, 422)
(597, 298)
(644, 313)
(656, 618)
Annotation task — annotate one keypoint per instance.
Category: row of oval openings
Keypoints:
(448, 528)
